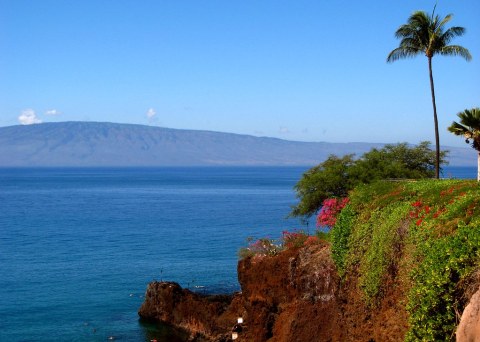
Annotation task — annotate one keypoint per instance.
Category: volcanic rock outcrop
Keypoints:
(290, 297)
(293, 296)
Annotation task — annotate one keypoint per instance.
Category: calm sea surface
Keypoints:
(79, 246)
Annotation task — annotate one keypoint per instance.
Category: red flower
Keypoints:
(417, 204)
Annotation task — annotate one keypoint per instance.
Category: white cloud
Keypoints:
(52, 112)
(284, 130)
(151, 113)
(28, 117)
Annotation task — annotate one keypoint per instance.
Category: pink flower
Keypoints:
(331, 207)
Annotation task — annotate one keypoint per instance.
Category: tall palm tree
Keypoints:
(425, 34)
(469, 127)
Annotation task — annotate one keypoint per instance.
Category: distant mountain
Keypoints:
(76, 144)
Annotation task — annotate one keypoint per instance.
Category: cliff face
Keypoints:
(408, 255)
(294, 296)
(298, 296)
(203, 318)
(285, 294)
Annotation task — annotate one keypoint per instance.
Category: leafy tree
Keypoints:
(336, 176)
(469, 127)
(328, 179)
(396, 161)
(425, 34)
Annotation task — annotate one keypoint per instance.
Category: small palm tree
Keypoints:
(425, 34)
(469, 127)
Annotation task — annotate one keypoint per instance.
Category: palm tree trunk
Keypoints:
(435, 120)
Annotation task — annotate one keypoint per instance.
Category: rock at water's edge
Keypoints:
(205, 318)
(296, 296)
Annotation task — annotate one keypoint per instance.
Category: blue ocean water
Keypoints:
(79, 246)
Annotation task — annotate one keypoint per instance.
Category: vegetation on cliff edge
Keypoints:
(423, 233)
(336, 176)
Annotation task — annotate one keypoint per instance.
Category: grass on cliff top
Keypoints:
(425, 234)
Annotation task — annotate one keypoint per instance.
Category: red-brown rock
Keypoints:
(293, 296)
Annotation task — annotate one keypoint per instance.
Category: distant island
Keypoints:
(102, 144)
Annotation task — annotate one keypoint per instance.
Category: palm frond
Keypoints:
(419, 19)
(469, 127)
(452, 32)
(405, 31)
(401, 53)
(413, 43)
(426, 34)
(458, 129)
(456, 50)
(470, 118)
(445, 20)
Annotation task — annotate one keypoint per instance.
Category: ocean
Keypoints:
(79, 246)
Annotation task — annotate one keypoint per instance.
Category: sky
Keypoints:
(296, 70)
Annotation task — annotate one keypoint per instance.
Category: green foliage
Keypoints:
(430, 228)
(425, 35)
(328, 179)
(340, 235)
(447, 242)
(382, 230)
(336, 176)
(396, 161)
(432, 302)
(469, 126)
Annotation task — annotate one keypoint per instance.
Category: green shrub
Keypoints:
(384, 231)
(435, 224)
(432, 301)
(340, 235)
(336, 176)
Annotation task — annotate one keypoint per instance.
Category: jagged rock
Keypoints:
(205, 318)
(286, 294)
(293, 296)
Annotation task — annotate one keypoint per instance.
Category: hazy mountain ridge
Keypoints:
(77, 144)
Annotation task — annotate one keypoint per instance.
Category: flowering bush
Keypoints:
(419, 212)
(295, 239)
(425, 232)
(331, 207)
(269, 247)
(261, 247)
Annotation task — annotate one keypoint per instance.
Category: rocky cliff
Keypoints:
(402, 264)
(296, 295)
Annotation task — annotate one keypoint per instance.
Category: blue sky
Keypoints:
(297, 70)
